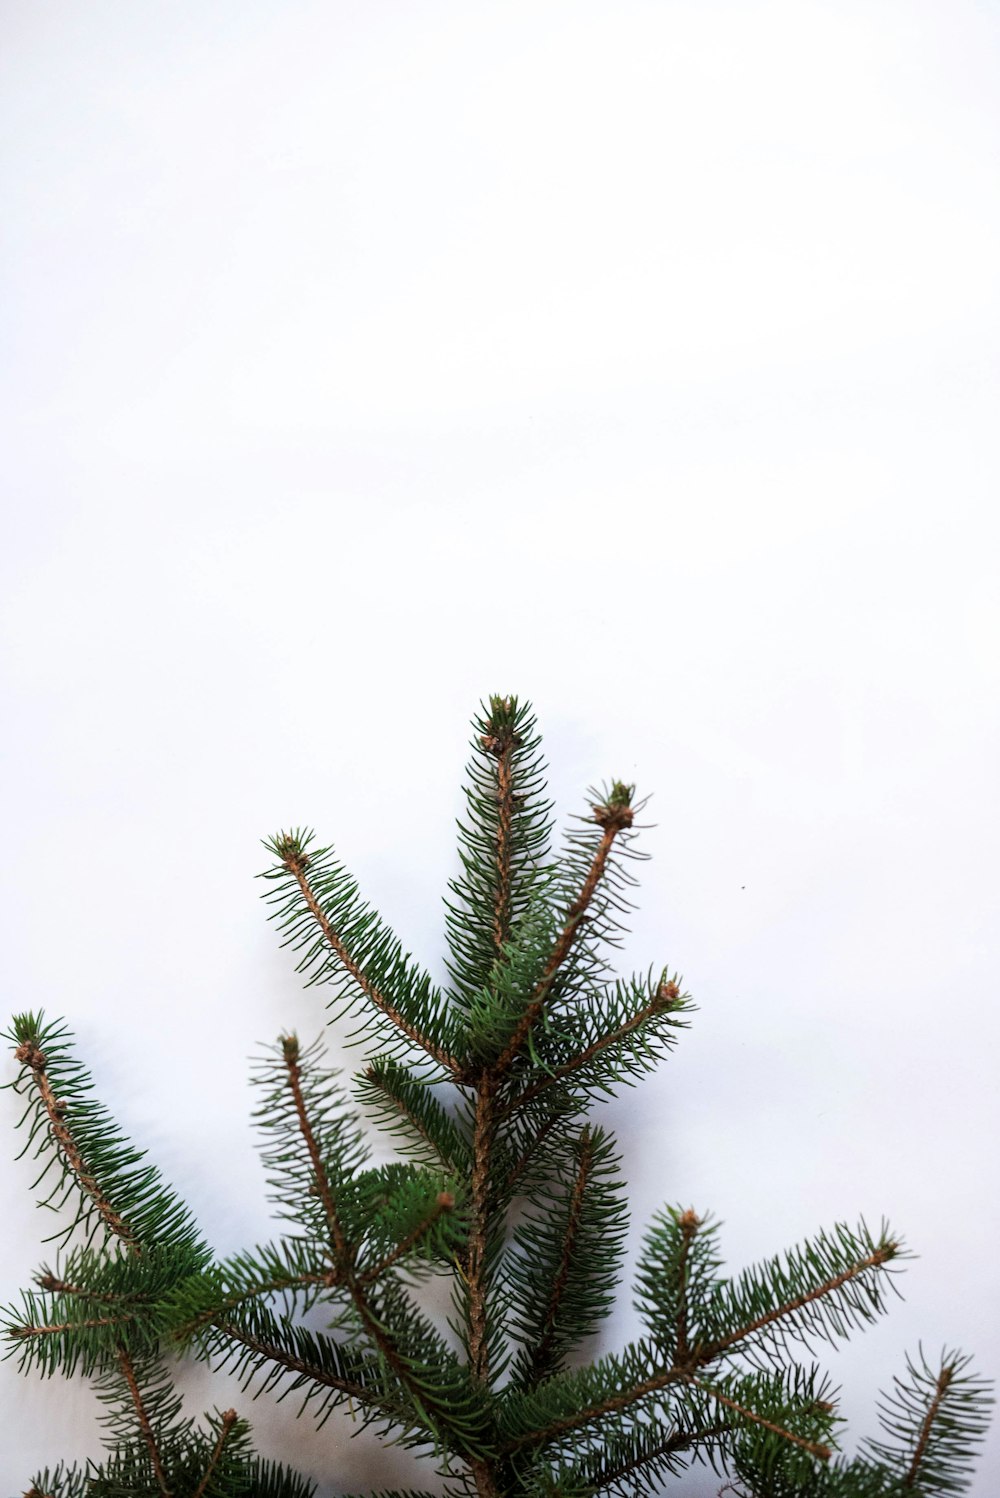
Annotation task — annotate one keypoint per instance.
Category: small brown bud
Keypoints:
(445, 1201)
(30, 1055)
(689, 1221)
(668, 991)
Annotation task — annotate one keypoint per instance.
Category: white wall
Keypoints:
(362, 359)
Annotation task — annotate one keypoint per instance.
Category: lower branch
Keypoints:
(128, 1373)
(228, 1421)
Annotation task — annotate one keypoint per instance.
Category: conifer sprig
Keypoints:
(502, 1182)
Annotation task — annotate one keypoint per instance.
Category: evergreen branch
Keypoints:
(202, 1300)
(128, 1373)
(614, 816)
(405, 1106)
(94, 1162)
(290, 1048)
(528, 1153)
(571, 1401)
(543, 1347)
(814, 1448)
(295, 860)
(812, 1299)
(502, 744)
(568, 1247)
(444, 1204)
(933, 1421)
(430, 1407)
(328, 1369)
(229, 1419)
(667, 999)
(503, 846)
(941, 1387)
(689, 1225)
(30, 1054)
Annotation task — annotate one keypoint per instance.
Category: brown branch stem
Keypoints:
(128, 1372)
(814, 1448)
(30, 1055)
(228, 1421)
(481, 1150)
(542, 1350)
(941, 1388)
(880, 1256)
(445, 1203)
(295, 863)
(564, 942)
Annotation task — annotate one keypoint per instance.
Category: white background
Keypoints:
(640, 358)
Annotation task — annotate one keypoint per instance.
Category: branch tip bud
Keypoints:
(445, 1201)
(616, 812)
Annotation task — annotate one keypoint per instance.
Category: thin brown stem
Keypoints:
(328, 1279)
(880, 1256)
(609, 1406)
(661, 1001)
(481, 1151)
(411, 1118)
(681, 1440)
(941, 1388)
(564, 942)
(320, 1178)
(32, 1056)
(815, 1448)
(295, 863)
(521, 1165)
(229, 1418)
(128, 1372)
(292, 1364)
(445, 1203)
(23, 1333)
(544, 1347)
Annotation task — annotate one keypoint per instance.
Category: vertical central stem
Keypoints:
(481, 1147)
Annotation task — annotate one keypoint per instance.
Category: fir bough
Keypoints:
(502, 1185)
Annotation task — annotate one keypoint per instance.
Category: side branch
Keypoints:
(228, 1421)
(445, 1203)
(292, 1364)
(290, 1048)
(609, 1406)
(128, 1373)
(295, 862)
(544, 1345)
(941, 1388)
(874, 1260)
(503, 748)
(664, 999)
(31, 1056)
(614, 820)
(814, 1448)
(689, 1225)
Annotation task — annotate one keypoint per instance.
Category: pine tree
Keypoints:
(502, 1184)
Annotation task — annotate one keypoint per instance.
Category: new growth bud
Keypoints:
(616, 811)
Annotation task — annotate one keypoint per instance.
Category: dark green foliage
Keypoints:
(501, 1184)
